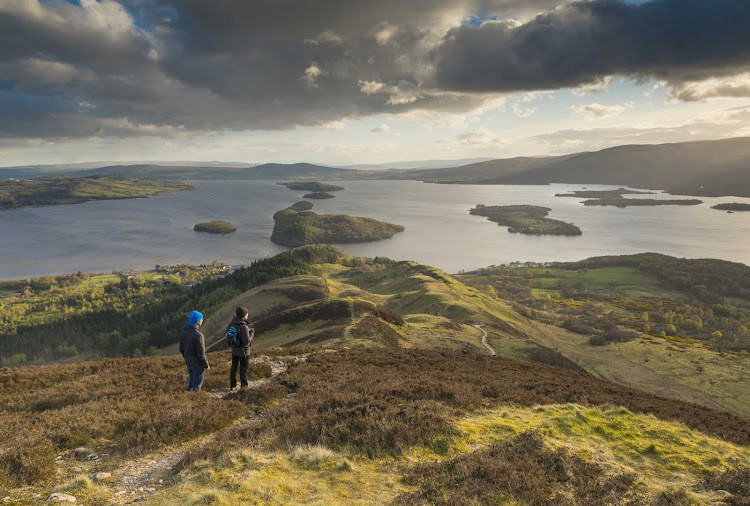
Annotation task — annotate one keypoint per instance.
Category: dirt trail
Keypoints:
(145, 475)
(484, 339)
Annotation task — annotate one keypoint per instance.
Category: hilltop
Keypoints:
(58, 190)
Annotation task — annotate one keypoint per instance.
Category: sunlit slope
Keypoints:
(401, 304)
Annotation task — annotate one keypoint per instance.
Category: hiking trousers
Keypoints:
(241, 364)
(196, 373)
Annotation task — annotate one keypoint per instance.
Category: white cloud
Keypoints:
(370, 87)
(734, 87)
(381, 129)
(384, 32)
(523, 112)
(396, 100)
(311, 75)
(596, 110)
(724, 123)
(478, 137)
(327, 37)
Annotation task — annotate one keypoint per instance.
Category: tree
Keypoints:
(491, 291)
(716, 335)
(644, 316)
(742, 331)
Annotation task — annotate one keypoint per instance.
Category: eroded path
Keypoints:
(134, 480)
(484, 339)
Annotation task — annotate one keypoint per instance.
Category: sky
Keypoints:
(343, 82)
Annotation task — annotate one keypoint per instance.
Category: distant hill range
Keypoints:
(706, 168)
(264, 171)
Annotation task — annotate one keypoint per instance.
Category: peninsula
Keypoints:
(58, 190)
(313, 186)
(526, 219)
(623, 202)
(292, 228)
(732, 206)
(601, 194)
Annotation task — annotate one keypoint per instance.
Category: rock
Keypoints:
(722, 493)
(101, 476)
(81, 453)
(58, 497)
(120, 492)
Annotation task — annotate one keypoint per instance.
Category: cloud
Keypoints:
(583, 43)
(166, 68)
(596, 110)
(478, 137)
(724, 123)
(733, 87)
(381, 129)
(371, 87)
(311, 75)
(523, 112)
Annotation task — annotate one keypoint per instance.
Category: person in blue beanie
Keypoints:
(193, 349)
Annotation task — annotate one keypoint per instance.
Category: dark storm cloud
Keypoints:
(168, 67)
(673, 40)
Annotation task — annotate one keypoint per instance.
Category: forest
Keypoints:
(58, 317)
(620, 298)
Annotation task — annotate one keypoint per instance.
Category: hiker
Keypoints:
(239, 336)
(193, 349)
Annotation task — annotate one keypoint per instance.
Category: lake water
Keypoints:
(139, 233)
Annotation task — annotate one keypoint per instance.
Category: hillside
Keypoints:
(707, 168)
(375, 381)
(58, 190)
(363, 426)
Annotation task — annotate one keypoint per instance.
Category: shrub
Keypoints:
(521, 470)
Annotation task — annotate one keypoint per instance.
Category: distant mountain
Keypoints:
(264, 171)
(417, 164)
(708, 168)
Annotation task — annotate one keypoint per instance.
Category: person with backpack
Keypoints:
(239, 336)
(193, 349)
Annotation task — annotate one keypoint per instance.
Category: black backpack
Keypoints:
(233, 337)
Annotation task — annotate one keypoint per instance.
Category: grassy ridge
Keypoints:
(59, 190)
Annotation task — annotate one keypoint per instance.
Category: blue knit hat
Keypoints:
(195, 317)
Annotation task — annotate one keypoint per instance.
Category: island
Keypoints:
(302, 205)
(313, 186)
(292, 228)
(215, 227)
(623, 202)
(526, 219)
(318, 195)
(601, 194)
(732, 206)
(59, 190)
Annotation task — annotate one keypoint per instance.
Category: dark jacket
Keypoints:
(246, 336)
(193, 345)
